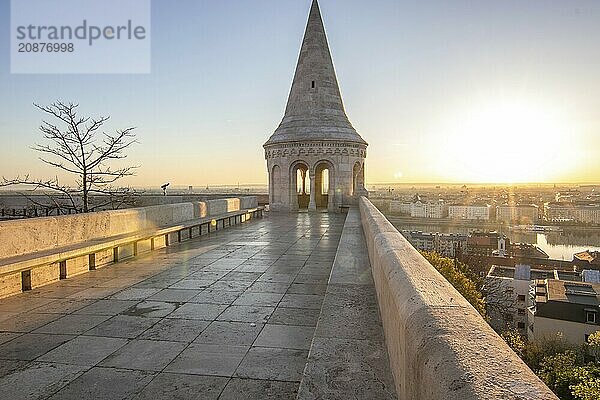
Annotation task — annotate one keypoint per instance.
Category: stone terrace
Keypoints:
(230, 316)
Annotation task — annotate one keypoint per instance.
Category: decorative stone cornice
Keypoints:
(315, 148)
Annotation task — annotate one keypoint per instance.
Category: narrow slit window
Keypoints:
(313, 84)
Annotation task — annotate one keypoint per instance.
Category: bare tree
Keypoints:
(500, 303)
(81, 149)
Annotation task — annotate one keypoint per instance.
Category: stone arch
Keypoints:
(299, 193)
(325, 184)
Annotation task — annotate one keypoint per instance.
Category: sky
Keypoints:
(443, 91)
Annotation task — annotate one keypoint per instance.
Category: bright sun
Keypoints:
(507, 143)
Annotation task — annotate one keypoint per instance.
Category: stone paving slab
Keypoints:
(230, 333)
(285, 336)
(84, 350)
(104, 384)
(252, 389)
(269, 363)
(177, 330)
(34, 320)
(294, 316)
(230, 315)
(72, 324)
(169, 386)
(145, 355)
(8, 367)
(31, 346)
(38, 380)
(209, 359)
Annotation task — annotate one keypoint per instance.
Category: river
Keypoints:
(559, 246)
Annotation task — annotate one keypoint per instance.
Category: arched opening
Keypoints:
(325, 182)
(323, 185)
(300, 186)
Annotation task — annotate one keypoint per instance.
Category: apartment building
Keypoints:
(564, 307)
(477, 212)
(520, 213)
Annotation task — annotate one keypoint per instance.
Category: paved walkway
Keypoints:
(348, 357)
(230, 316)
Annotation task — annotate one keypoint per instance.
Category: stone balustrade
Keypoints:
(34, 252)
(439, 346)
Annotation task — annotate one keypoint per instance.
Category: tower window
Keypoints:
(313, 84)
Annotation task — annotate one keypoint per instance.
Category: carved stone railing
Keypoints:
(38, 251)
(439, 346)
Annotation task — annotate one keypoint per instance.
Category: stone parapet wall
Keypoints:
(38, 234)
(439, 346)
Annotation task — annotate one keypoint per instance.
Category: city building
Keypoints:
(564, 307)
(435, 210)
(587, 259)
(590, 276)
(588, 213)
(478, 212)
(507, 295)
(315, 158)
(445, 244)
(560, 211)
(521, 213)
(488, 244)
(527, 250)
(419, 208)
(400, 207)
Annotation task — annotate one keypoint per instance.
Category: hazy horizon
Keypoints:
(444, 92)
(198, 189)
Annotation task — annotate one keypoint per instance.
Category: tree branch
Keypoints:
(83, 151)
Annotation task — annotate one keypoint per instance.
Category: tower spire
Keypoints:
(315, 109)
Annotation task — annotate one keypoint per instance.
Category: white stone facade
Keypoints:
(400, 207)
(345, 165)
(428, 210)
(507, 294)
(523, 213)
(586, 213)
(474, 212)
(444, 244)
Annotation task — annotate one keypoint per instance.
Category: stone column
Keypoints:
(331, 203)
(360, 184)
(312, 204)
(303, 174)
(271, 196)
(293, 191)
(331, 199)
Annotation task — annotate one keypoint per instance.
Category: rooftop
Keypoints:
(315, 110)
(592, 257)
(532, 206)
(509, 272)
(573, 292)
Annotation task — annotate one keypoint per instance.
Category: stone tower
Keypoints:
(315, 157)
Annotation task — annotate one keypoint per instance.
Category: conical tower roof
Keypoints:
(315, 110)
